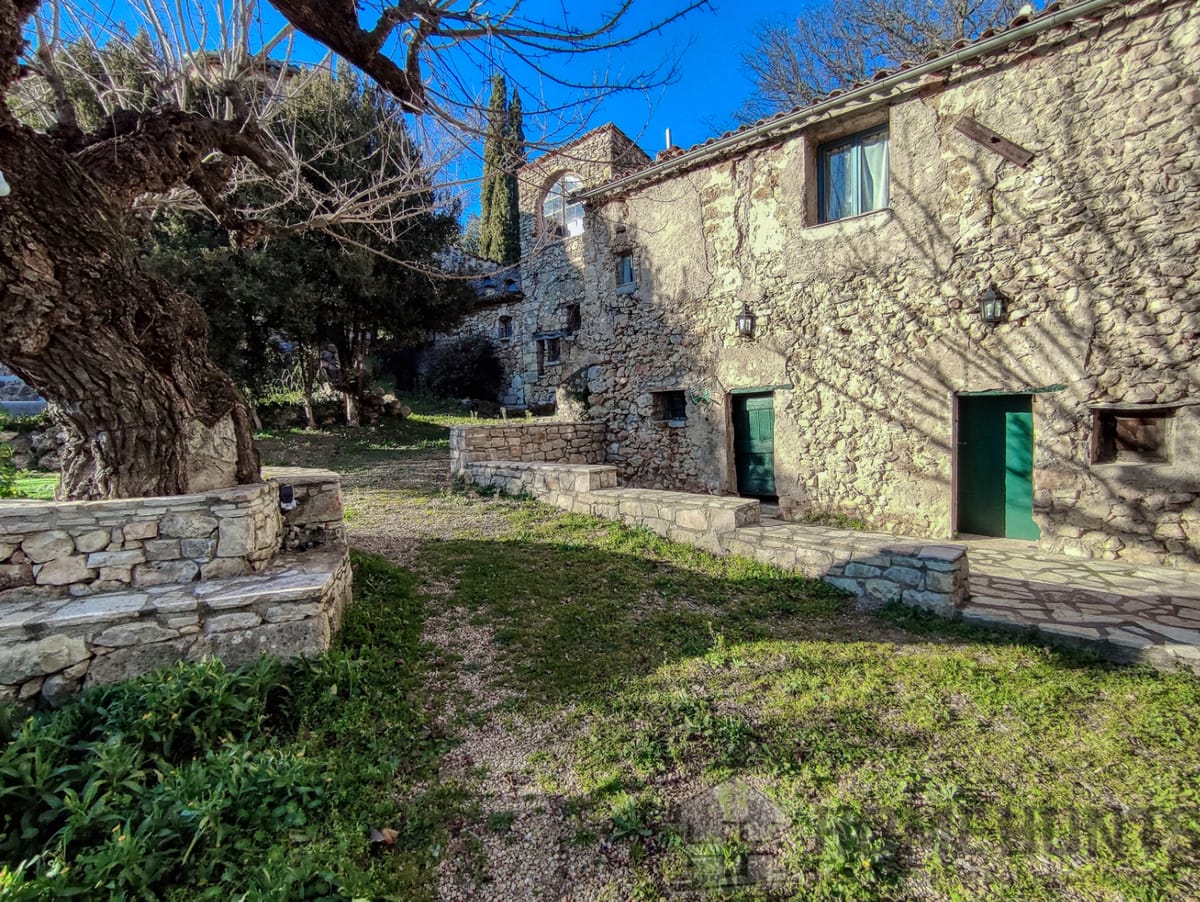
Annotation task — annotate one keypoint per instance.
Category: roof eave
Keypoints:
(782, 125)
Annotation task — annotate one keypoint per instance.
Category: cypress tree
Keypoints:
(495, 201)
(515, 141)
(503, 154)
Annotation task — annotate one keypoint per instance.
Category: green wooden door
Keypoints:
(1018, 476)
(995, 466)
(754, 443)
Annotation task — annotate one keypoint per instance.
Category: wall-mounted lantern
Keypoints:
(991, 306)
(745, 322)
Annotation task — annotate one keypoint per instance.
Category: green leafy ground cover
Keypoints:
(200, 783)
(907, 757)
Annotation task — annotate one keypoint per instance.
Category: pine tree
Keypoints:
(503, 152)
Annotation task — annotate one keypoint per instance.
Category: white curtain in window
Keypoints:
(874, 171)
(837, 204)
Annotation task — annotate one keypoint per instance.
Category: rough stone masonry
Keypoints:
(868, 336)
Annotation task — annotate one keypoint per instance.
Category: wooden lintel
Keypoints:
(994, 142)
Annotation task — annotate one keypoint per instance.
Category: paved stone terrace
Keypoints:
(1133, 613)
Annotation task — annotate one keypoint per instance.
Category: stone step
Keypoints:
(52, 646)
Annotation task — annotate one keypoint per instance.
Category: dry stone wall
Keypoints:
(545, 440)
(85, 547)
(50, 649)
(104, 590)
(869, 328)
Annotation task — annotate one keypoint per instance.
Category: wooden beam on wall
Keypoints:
(994, 142)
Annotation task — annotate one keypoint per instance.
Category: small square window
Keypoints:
(574, 318)
(504, 327)
(670, 406)
(625, 276)
(548, 349)
(852, 175)
(1132, 436)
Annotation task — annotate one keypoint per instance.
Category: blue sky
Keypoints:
(707, 45)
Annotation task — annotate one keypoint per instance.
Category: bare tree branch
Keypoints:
(845, 41)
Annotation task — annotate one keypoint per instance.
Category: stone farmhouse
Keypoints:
(959, 298)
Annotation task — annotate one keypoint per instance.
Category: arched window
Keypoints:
(561, 216)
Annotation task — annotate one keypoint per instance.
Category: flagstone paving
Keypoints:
(1126, 611)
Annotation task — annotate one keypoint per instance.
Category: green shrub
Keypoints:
(8, 473)
(198, 782)
(136, 784)
(466, 367)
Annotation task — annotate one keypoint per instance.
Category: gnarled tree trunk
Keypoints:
(120, 355)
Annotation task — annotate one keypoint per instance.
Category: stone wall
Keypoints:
(103, 590)
(874, 568)
(37, 449)
(84, 547)
(51, 648)
(318, 517)
(868, 329)
(537, 440)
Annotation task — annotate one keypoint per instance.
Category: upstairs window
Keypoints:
(574, 318)
(852, 175)
(625, 277)
(504, 327)
(561, 216)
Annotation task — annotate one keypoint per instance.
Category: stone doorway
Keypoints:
(754, 443)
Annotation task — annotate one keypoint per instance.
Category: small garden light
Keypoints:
(287, 498)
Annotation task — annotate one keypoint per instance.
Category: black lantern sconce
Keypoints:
(745, 322)
(991, 306)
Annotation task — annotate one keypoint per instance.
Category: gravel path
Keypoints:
(523, 845)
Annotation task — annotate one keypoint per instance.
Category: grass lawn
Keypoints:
(344, 448)
(521, 695)
(35, 485)
(909, 758)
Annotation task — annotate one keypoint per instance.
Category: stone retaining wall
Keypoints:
(544, 440)
(318, 515)
(874, 568)
(97, 591)
(83, 547)
(52, 648)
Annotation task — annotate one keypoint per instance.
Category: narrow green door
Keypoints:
(995, 466)
(754, 443)
(1018, 477)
